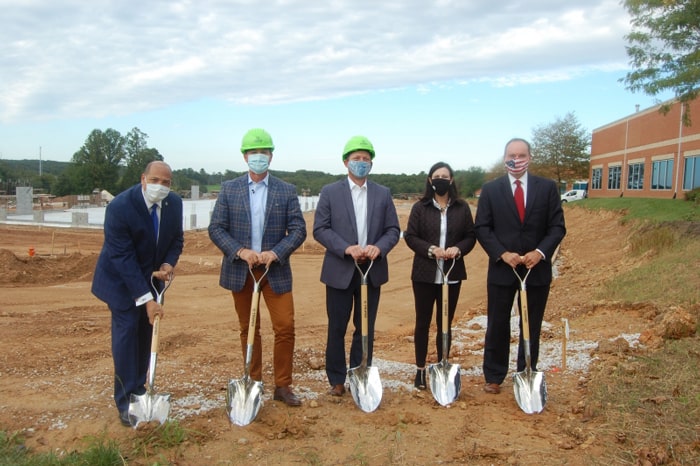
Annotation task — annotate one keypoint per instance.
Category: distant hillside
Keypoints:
(27, 168)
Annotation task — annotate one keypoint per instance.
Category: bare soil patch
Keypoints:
(56, 369)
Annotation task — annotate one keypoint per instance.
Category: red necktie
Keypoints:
(519, 200)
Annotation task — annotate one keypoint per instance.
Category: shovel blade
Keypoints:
(149, 407)
(244, 399)
(530, 391)
(366, 387)
(445, 382)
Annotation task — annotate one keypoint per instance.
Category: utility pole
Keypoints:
(39, 160)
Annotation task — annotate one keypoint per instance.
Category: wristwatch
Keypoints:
(431, 251)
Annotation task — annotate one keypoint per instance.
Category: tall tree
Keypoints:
(97, 162)
(664, 49)
(138, 155)
(561, 149)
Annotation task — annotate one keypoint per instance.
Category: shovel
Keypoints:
(529, 386)
(445, 382)
(151, 406)
(244, 395)
(365, 384)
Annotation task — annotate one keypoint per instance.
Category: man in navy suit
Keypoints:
(516, 241)
(257, 221)
(355, 220)
(137, 246)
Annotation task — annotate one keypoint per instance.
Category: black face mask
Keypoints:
(440, 186)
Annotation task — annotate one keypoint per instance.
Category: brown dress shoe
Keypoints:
(286, 395)
(492, 388)
(337, 390)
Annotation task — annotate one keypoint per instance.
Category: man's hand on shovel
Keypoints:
(153, 309)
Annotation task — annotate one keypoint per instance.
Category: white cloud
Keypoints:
(90, 59)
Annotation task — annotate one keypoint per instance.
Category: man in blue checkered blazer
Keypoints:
(257, 222)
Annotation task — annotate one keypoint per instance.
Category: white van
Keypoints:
(573, 195)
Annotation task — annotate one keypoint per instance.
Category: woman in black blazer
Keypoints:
(440, 228)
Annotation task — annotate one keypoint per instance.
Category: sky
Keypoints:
(424, 80)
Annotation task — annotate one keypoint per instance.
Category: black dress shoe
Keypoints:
(124, 418)
(419, 383)
(286, 395)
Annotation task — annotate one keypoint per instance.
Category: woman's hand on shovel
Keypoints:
(153, 309)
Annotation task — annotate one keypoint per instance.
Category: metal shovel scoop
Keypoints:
(244, 396)
(365, 384)
(151, 406)
(529, 386)
(445, 381)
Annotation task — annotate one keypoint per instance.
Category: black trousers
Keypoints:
(428, 296)
(497, 344)
(340, 305)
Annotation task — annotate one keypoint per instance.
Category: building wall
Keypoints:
(641, 142)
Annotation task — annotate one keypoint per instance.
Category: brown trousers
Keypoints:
(281, 307)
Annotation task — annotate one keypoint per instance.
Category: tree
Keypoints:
(470, 181)
(97, 162)
(138, 155)
(561, 149)
(664, 49)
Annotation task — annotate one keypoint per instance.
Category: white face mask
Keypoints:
(156, 192)
(258, 163)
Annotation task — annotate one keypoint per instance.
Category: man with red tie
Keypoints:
(519, 223)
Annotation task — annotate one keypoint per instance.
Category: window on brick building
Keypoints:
(635, 176)
(691, 177)
(614, 175)
(662, 174)
(596, 178)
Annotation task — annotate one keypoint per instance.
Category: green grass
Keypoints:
(652, 210)
(153, 445)
(648, 403)
(666, 234)
(100, 452)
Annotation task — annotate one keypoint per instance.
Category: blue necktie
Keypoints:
(154, 217)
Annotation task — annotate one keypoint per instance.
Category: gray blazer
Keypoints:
(336, 229)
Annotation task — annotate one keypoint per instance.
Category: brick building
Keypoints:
(647, 154)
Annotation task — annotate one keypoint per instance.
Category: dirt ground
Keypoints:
(56, 367)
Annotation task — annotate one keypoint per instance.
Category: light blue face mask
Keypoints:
(359, 168)
(258, 163)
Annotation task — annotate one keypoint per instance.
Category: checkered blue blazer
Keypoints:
(230, 229)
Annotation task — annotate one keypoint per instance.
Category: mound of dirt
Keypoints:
(45, 270)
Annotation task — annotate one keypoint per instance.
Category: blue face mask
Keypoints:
(258, 163)
(359, 168)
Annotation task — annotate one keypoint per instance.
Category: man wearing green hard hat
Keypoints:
(355, 221)
(257, 223)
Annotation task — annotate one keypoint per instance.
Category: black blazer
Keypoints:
(423, 230)
(498, 227)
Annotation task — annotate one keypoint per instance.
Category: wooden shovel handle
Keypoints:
(156, 330)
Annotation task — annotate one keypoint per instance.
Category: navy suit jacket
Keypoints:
(283, 232)
(129, 254)
(498, 227)
(335, 228)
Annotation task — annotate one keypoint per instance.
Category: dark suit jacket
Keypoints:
(230, 229)
(335, 228)
(129, 254)
(424, 230)
(498, 227)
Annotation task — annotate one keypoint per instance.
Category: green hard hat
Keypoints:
(256, 138)
(358, 143)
